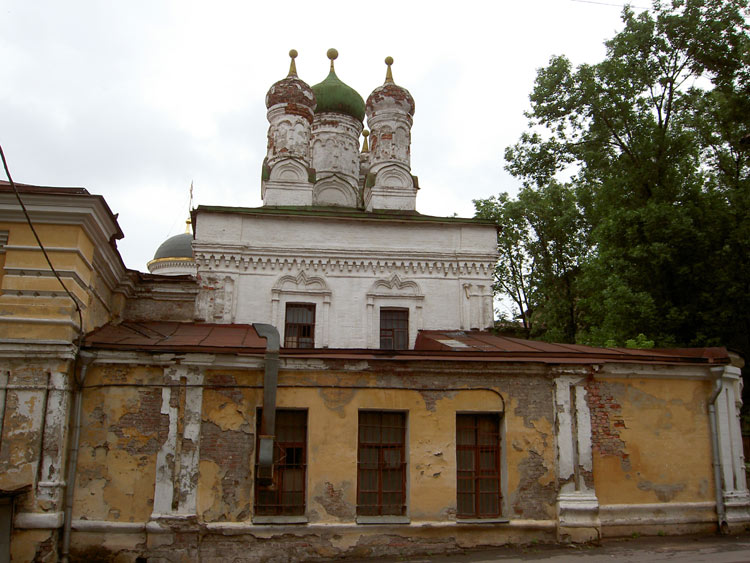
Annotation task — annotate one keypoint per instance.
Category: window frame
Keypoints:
(479, 475)
(297, 325)
(280, 510)
(397, 333)
(378, 512)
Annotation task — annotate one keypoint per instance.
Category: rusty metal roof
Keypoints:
(158, 336)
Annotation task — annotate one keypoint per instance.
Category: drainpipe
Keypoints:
(712, 417)
(70, 477)
(270, 383)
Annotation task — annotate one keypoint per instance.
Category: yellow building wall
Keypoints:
(121, 432)
(651, 441)
(124, 428)
(26, 295)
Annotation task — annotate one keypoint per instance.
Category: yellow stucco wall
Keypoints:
(26, 295)
(123, 431)
(656, 441)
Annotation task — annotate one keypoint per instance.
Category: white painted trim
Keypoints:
(657, 513)
(38, 520)
(107, 526)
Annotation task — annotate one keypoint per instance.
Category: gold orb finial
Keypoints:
(292, 66)
(365, 146)
(388, 73)
(333, 55)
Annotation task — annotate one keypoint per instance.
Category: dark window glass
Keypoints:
(286, 496)
(478, 465)
(299, 328)
(381, 464)
(394, 329)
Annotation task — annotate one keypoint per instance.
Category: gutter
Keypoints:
(70, 476)
(270, 384)
(713, 420)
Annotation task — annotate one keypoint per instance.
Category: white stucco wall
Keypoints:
(251, 265)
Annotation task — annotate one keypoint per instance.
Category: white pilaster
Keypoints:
(577, 504)
(734, 488)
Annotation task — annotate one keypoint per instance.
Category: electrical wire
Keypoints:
(41, 246)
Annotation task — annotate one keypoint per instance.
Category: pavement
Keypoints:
(699, 549)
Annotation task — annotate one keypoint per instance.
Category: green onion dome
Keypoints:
(332, 95)
(291, 90)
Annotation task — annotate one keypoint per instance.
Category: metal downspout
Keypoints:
(720, 512)
(70, 477)
(270, 383)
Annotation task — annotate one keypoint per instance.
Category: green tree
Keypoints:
(649, 141)
(541, 245)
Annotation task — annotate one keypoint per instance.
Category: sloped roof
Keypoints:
(161, 336)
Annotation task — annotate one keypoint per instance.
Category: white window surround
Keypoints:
(303, 289)
(393, 292)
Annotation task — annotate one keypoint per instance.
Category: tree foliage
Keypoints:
(632, 219)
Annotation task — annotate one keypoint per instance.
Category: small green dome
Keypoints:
(333, 95)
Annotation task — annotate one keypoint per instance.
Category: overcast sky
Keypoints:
(133, 100)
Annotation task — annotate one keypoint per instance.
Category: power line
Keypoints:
(44, 251)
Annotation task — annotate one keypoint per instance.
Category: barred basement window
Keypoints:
(478, 465)
(299, 329)
(381, 464)
(394, 329)
(286, 496)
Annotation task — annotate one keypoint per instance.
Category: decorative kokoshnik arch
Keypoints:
(302, 288)
(394, 292)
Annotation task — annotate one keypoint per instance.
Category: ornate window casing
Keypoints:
(393, 293)
(303, 289)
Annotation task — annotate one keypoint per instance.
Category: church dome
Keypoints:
(291, 90)
(390, 95)
(178, 246)
(174, 256)
(335, 96)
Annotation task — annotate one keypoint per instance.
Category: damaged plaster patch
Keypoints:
(232, 451)
(533, 499)
(431, 398)
(665, 493)
(337, 399)
(607, 420)
(332, 501)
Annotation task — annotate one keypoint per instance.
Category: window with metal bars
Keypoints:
(478, 465)
(381, 464)
(286, 496)
(394, 328)
(299, 327)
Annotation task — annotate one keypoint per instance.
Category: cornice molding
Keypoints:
(377, 263)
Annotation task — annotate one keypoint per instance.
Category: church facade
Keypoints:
(318, 378)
